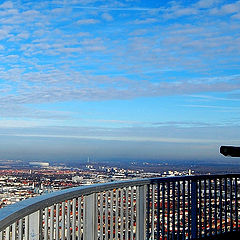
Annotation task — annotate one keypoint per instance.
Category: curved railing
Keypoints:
(189, 207)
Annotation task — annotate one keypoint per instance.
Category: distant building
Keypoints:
(39, 164)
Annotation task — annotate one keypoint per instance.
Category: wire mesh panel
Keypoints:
(174, 210)
(170, 210)
(63, 220)
(117, 214)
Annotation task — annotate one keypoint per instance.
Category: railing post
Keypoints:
(141, 213)
(194, 209)
(90, 217)
(35, 226)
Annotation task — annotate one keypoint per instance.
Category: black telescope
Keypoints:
(230, 151)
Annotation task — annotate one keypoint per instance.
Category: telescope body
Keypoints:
(230, 151)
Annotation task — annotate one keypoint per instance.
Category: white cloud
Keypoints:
(6, 4)
(119, 138)
(162, 134)
(4, 33)
(58, 62)
(145, 21)
(87, 21)
(60, 86)
(185, 12)
(236, 16)
(226, 9)
(207, 3)
(231, 8)
(23, 35)
(107, 17)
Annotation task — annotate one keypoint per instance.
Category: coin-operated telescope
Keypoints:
(230, 151)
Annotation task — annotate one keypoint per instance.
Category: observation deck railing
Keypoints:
(189, 207)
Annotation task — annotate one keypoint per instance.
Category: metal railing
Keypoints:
(189, 207)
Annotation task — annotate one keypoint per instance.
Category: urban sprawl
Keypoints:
(36, 178)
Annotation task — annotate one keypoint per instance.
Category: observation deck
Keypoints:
(188, 207)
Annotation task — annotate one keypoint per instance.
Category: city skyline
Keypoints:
(119, 79)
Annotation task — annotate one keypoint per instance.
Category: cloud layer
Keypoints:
(82, 51)
(86, 63)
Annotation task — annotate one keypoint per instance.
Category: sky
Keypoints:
(119, 80)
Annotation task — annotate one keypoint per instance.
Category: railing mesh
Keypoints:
(185, 208)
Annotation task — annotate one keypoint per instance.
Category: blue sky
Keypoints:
(154, 80)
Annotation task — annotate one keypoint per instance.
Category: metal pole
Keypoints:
(194, 209)
(35, 224)
(141, 212)
(90, 217)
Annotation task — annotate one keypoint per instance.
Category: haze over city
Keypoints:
(119, 80)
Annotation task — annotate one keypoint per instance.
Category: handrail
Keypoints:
(15, 212)
(12, 213)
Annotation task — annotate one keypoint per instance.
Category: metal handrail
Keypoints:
(13, 213)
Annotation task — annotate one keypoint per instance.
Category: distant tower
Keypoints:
(88, 160)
